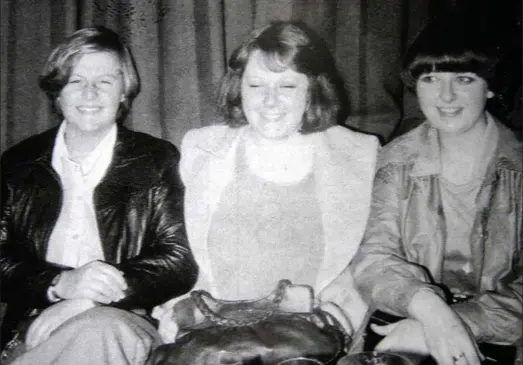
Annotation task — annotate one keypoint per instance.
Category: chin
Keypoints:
(276, 136)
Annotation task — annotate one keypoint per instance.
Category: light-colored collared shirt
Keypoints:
(75, 239)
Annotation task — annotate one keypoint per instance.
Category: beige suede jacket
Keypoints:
(344, 163)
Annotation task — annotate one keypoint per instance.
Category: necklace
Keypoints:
(281, 163)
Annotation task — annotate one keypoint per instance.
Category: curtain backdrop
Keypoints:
(181, 48)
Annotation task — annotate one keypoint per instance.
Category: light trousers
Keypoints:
(100, 336)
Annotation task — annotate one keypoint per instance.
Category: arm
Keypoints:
(165, 268)
(393, 284)
(496, 315)
(25, 277)
(386, 278)
(381, 270)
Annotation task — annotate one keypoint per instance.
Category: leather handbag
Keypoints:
(265, 331)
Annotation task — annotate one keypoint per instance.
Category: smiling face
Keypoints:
(91, 98)
(453, 102)
(273, 102)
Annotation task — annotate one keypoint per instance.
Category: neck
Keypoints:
(257, 141)
(459, 153)
(80, 143)
(286, 160)
(465, 143)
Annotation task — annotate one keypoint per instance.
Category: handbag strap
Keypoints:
(215, 317)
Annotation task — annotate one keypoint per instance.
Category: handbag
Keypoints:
(265, 331)
(16, 346)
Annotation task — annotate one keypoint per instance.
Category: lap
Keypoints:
(499, 354)
(108, 316)
(101, 330)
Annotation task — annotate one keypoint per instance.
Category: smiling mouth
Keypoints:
(272, 117)
(449, 112)
(89, 109)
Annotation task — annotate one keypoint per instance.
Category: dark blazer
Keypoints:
(139, 210)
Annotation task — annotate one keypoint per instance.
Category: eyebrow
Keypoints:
(114, 76)
(286, 78)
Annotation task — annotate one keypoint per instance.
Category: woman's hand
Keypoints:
(403, 336)
(53, 317)
(96, 280)
(449, 340)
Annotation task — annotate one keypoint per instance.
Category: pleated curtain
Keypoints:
(181, 48)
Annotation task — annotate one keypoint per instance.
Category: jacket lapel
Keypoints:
(341, 177)
(126, 175)
(214, 160)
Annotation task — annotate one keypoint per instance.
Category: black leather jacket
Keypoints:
(139, 209)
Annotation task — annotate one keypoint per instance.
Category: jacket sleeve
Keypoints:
(495, 316)
(165, 268)
(24, 278)
(386, 279)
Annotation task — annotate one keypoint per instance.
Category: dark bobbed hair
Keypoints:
(453, 43)
(284, 45)
(64, 57)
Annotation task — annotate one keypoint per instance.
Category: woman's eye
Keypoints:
(288, 86)
(74, 81)
(427, 79)
(105, 82)
(253, 85)
(465, 80)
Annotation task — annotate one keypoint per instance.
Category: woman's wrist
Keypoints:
(425, 304)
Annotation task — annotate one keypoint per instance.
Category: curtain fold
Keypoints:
(181, 48)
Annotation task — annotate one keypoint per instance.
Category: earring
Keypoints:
(490, 94)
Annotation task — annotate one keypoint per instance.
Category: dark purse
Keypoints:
(261, 332)
(16, 346)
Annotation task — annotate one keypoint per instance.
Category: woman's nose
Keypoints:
(446, 91)
(90, 91)
(270, 97)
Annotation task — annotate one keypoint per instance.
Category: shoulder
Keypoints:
(351, 142)
(209, 136)
(509, 150)
(406, 148)
(142, 144)
(143, 160)
(30, 149)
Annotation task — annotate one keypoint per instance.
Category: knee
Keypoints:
(115, 323)
(104, 316)
(114, 329)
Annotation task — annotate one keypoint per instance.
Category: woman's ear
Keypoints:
(490, 94)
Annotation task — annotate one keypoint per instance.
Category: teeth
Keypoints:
(272, 116)
(449, 110)
(89, 109)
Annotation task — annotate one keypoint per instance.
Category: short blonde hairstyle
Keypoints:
(64, 57)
